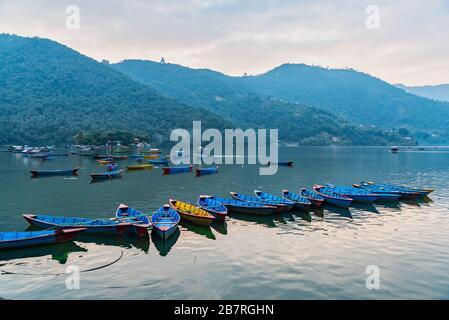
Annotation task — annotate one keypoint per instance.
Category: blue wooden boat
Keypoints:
(365, 195)
(107, 175)
(265, 196)
(216, 208)
(92, 226)
(386, 190)
(204, 171)
(357, 195)
(300, 202)
(158, 162)
(140, 223)
(332, 197)
(255, 208)
(177, 169)
(280, 207)
(36, 173)
(165, 221)
(136, 156)
(312, 196)
(15, 240)
(422, 192)
(112, 166)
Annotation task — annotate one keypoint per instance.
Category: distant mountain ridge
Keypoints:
(49, 93)
(240, 103)
(437, 92)
(357, 96)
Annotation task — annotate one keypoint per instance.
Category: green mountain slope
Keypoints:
(438, 92)
(237, 101)
(49, 92)
(356, 96)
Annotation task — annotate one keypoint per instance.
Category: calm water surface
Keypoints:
(289, 256)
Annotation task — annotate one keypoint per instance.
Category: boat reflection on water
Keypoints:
(366, 207)
(59, 252)
(220, 226)
(318, 211)
(344, 212)
(95, 181)
(305, 215)
(164, 245)
(201, 230)
(123, 241)
(266, 221)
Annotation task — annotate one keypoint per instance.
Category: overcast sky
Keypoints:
(411, 45)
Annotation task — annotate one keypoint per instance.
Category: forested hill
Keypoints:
(438, 92)
(356, 96)
(232, 98)
(49, 93)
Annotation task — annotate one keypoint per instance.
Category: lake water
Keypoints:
(289, 256)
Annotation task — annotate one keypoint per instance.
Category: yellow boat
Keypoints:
(151, 156)
(104, 162)
(192, 213)
(139, 167)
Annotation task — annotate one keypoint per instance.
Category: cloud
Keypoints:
(251, 36)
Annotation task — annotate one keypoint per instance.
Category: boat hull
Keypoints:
(58, 237)
(89, 230)
(341, 201)
(164, 234)
(251, 210)
(174, 170)
(387, 197)
(36, 173)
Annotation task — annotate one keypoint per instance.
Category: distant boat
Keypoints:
(300, 202)
(192, 213)
(394, 149)
(356, 194)
(15, 240)
(216, 208)
(106, 161)
(253, 208)
(38, 155)
(136, 156)
(177, 169)
(165, 221)
(112, 166)
(333, 197)
(122, 157)
(204, 171)
(139, 167)
(36, 173)
(161, 161)
(282, 163)
(140, 223)
(151, 156)
(107, 175)
(92, 226)
(312, 196)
